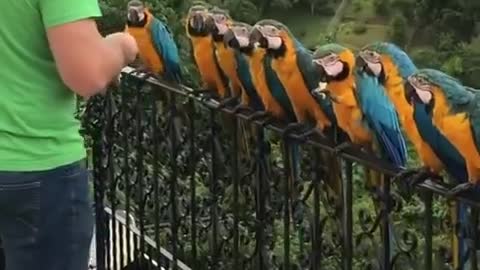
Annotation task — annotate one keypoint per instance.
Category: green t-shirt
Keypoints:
(38, 130)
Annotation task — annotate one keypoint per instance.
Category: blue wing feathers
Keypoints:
(310, 77)
(276, 88)
(167, 49)
(244, 75)
(382, 118)
(454, 163)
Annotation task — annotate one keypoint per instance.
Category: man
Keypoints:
(49, 50)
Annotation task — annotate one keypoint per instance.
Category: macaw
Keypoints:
(212, 77)
(157, 48)
(455, 112)
(243, 51)
(362, 109)
(289, 65)
(218, 22)
(266, 87)
(393, 67)
(292, 63)
(360, 105)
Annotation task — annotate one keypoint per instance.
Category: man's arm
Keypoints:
(86, 61)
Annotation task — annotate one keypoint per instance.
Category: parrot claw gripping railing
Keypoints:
(205, 196)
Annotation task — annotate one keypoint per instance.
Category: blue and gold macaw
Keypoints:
(157, 48)
(292, 63)
(360, 105)
(455, 112)
(243, 51)
(203, 51)
(362, 109)
(218, 22)
(393, 67)
(289, 65)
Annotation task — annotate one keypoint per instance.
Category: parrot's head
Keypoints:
(271, 35)
(197, 20)
(427, 85)
(334, 62)
(385, 60)
(218, 22)
(136, 13)
(238, 36)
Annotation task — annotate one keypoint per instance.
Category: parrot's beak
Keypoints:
(210, 24)
(409, 91)
(361, 64)
(197, 22)
(322, 74)
(257, 36)
(230, 40)
(133, 15)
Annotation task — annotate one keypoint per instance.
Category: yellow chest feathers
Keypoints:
(147, 52)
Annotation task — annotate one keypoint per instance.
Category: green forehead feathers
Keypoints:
(241, 24)
(275, 23)
(332, 48)
(217, 10)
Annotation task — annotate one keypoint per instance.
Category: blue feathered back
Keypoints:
(167, 49)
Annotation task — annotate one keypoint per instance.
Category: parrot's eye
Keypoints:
(220, 18)
(330, 59)
(244, 30)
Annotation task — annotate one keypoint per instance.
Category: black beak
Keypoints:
(256, 36)
(361, 64)
(409, 91)
(210, 25)
(198, 23)
(230, 40)
(322, 74)
(132, 14)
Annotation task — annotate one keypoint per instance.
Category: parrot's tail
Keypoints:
(459, 245)
(374, 183)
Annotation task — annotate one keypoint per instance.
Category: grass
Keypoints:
(308, 28)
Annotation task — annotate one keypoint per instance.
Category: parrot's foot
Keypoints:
(422, 175)
(406, 174)
(225, 102)
(240, 107)
(342, 147)
(258, 115)
(263, 117)
(461, 188)
(412, 177)
(314, 131)
(292, 127)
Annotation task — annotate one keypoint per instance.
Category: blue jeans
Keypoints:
(46, 218)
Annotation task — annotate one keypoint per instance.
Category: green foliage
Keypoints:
(398, 30)
(381, 7)
(359, 28)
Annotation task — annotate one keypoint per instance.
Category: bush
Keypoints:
(326, 11)
(357, 6)
(381, 7)
(398, 30)
(359, 28)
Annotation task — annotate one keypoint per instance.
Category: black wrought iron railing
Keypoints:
(178, 185)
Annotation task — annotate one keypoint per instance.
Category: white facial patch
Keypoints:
(334, 68)
(222, 28)
(243, 41)
(425, 96)
(274, 42)
(141, 16)
(376, 68)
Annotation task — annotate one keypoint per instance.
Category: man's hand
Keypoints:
(127, 43)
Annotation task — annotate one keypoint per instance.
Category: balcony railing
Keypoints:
(193, 193)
